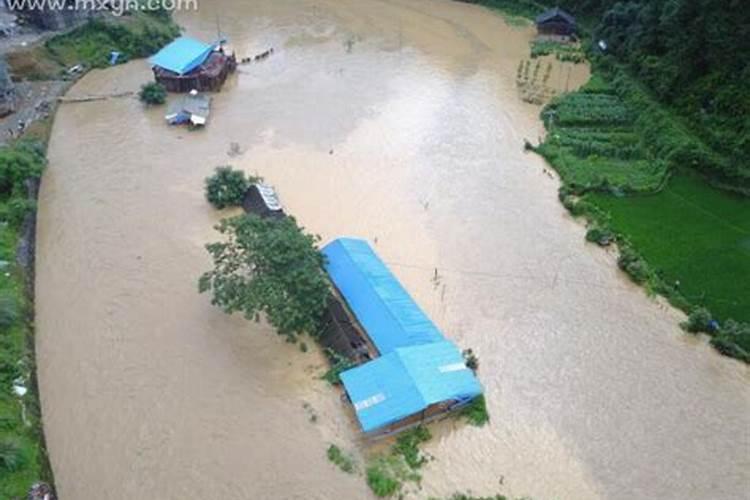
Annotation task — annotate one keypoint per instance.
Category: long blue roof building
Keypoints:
(419, 372)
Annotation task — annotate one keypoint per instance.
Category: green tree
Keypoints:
(153, 93)
(226, 188)
(269, 266)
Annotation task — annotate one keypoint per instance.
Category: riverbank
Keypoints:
(23, 455)
(638, 175)
(23, 458)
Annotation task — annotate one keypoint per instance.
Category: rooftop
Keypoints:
(408, 380)
(550, 14)
(182, 55)
(385, 310)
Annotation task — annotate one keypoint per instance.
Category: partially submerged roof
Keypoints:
(270, 198)
(193, 107)
(555, 13)
(385, 310)
(182, 55)
(408, 380)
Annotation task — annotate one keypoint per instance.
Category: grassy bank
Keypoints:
(642, 178)
(22, 457)
(647, 179)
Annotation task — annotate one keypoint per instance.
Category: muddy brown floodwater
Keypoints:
(397, 121)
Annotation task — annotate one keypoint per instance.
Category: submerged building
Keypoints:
(187, 64)
(410, 373)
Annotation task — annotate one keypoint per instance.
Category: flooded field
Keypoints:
(397, 121)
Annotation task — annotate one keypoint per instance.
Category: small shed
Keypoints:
(555, 22)
(261, 199)
(417, 375)
(193, 108)
(187, 64)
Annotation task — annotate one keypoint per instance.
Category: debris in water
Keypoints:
(194, 109)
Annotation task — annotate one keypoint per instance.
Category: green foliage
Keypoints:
(227, 187)
(344, 461)
(92, 43)
(407, 445)
(699, 320)
(8, 309)
(338, 364)
(153, 93)
(11, 456)
(566, 52)
(18, 163)
(476, 412)
(733, 339)
(381, 480)
(271, 267)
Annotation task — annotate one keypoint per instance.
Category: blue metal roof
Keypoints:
(407, 381)
(389, 315)
(182, 55)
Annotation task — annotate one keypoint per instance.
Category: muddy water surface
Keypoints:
(396, 121)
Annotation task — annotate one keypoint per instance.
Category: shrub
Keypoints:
(733, 339)
(153, 93)
(633, 264)
(11, 456)
(476, 412)
(341, 459)
(407, 445)
(227, 187)
(339, 364)
(381, 480)
(698, 320)
(8, 310)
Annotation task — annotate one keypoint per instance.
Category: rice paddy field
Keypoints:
(694, 234)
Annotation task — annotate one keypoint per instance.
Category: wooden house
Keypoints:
(187, 64)
(555, 22)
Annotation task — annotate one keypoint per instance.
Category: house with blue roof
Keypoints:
(187, 64)
(410, 373)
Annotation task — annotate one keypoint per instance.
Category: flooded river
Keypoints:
(397, 121)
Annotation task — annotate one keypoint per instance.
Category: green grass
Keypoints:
(476, 412)
(22, 459)
(694, 234)
(344, 461)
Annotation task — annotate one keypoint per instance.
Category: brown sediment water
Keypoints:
(397, 121)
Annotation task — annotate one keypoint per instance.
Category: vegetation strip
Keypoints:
(640, 146)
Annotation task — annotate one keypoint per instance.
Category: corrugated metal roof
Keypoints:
(407, 381)
(389, 315)
(182, 55)
(550, 14)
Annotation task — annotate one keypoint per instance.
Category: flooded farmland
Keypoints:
(398, 121)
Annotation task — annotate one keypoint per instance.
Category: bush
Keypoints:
(227, 187)
(11, 456)
(153, 93)
(733, 339)
(381, 479)
(471, 360)
(341, 459)
(699, 320)
(476, 412)
(8, 310)
(407, 445)
(339, 364)
(633, 264)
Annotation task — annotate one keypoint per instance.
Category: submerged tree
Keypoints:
(153, 93)
(269, 266)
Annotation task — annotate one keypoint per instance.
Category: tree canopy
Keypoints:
(268, 266)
